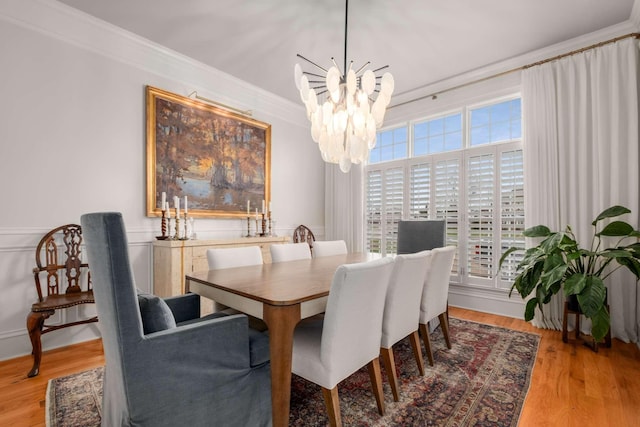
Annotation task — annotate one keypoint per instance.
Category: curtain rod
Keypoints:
(434, 95)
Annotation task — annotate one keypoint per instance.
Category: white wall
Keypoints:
(72, 140)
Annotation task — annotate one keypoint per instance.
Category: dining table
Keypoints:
(281, 294)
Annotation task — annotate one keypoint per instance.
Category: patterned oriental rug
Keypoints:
(482, 381)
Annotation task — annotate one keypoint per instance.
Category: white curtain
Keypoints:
(581, 148)
(344, 211)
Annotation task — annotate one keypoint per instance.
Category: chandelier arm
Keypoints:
(313, 74)
(310, 62)
(381, 68)
(363, 67)
(336, 65)
(346, 19)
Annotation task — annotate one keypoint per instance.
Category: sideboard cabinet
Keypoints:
(174, 259)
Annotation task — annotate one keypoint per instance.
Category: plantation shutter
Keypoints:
(447, 189)
(374, 211)
(420, 192)
(480, 230)
(512, 208)
(393, 201)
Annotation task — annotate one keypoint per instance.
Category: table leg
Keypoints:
(281, 321)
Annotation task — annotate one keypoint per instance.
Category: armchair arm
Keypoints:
(184, 307)
(206, 362)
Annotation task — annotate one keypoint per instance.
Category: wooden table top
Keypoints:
(283, 283)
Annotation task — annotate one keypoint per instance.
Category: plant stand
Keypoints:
(590, 341)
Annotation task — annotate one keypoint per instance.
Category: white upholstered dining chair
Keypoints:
(329, 247)
(242, 256)
(219, 258)
(328, 350)
(435, 294)
(290, 252)
(402, 311)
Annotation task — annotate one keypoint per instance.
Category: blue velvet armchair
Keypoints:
(165, 366)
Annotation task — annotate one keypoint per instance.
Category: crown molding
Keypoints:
(62, 22)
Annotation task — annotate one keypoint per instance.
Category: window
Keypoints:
(437, 135)
(390, 145)
(496, 122)
(466, 167)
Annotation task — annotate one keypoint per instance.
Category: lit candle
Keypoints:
(248, 207)
(168, 210)
(176, 202)
(178, 212)
(262, 205)
(269, 206)
(185, 205)
(164, 200)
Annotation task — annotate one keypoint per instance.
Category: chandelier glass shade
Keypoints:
(345, 108)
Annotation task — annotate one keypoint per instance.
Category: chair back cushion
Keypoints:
(290, 252)
(436, 284)
(329, 247)
(353, 319)
(219, 258)
(155, 313)
(402, 303)
(420, 235)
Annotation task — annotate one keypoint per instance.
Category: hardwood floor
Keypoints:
(570, 385)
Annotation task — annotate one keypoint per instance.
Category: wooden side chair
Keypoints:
(304, 234)
(66, 281)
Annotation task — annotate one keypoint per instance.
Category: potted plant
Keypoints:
(558, 262)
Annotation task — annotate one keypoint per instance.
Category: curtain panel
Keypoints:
(581, 156)
(344, 206)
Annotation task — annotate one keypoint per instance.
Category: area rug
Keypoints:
(482, 381)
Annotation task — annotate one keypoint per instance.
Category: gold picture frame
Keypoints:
(221, 160)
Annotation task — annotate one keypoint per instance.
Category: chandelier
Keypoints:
(341, 107)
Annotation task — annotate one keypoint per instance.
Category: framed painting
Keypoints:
(219, 159)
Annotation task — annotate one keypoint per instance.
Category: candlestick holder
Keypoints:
(257, 227)
(192, 230)
(177, 235)
(270, 224)
(264, 226)
(169, 236)
(248, 226)
(185, 236)
(163, 227)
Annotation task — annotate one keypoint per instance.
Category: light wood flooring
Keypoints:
(571, 385)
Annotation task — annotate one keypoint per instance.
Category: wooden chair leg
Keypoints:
(35, 323)
(332, 402)
(444, 324)
(565, 323)
(417, 351)
(424, 331)
(376, 383)
(390, 368)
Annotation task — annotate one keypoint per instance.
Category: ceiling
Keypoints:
(423, 41)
